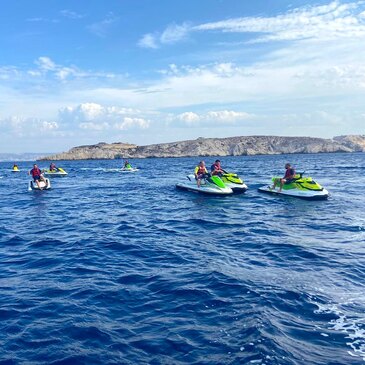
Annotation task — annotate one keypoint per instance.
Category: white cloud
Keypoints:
(71, 14)
(102, 28)
(188, 118)
(325, 22)
(212, 118)
(128, 123)
(148, 41)
(22, 126)
(45, 63)
(94, 116)
(174, 33)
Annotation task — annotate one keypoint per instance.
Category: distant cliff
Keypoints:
(233, 146)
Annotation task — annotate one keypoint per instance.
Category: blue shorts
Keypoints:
(36, 177)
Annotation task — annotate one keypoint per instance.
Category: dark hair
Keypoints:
(217, 161)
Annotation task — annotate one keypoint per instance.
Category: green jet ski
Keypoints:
(212, 185)
(300, 187)
(59, 171)
(234, 182)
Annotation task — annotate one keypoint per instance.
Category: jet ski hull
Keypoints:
(301, 194)
(237, 188)
(129, 170)
(44, 185)
(234, 182)
(206, 187)
(59, 172)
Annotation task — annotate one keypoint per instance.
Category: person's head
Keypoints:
(217, 162)
(35, 165)
(287, 166)
(202, 163)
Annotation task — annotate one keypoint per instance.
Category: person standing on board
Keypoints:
(287, 179)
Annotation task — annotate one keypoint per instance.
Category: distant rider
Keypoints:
(52, 167)
(200, 172)
(37, 175)
(127, 165)
(287, 179)
(216, 169)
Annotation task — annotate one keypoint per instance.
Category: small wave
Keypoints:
(352, 326)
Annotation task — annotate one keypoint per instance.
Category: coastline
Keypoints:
(207, 147)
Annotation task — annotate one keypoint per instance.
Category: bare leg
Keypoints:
(275, 183)
(282, 181)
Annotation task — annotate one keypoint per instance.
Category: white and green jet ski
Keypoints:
(45, 185)
(129, 169)
(212, 185)
(234, 182)
(300, 187)
(59, 171)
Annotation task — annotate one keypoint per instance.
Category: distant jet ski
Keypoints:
(300, 187)
(15, 169)
(211, 185)
(45, 185)
(58, 172)
(129, 169)
(234, 182)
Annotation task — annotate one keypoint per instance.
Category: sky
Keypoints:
(152, 71)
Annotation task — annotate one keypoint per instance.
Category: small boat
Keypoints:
(58, 172)
(212, 185)
(301, 187)
(44, 185)
(234, 182)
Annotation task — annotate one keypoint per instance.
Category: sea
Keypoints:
(122, 268)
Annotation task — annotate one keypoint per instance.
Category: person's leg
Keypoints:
(275, 183)
(282, 181)
(38, 184)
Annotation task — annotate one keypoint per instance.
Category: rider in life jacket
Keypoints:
(200, 172)
(52, 167)
(216, 169)
(37, 175)
(287, 179)
(127, 165)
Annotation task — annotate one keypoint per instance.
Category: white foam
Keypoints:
(353, 328)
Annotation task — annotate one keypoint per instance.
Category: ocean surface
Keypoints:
(122, 268)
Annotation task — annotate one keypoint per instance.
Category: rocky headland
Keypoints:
(232, 146)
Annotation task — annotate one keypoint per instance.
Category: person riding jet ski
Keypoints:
(52, 167)
(288, 178)
(216, 169)
(200, 173)
(127, 165)
(37, 176)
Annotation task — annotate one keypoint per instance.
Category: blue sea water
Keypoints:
(122, 268)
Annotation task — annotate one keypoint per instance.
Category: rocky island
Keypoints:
(232, 146)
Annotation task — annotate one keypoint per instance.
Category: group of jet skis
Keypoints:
(215, 182)
(221, 182)
(41, 179)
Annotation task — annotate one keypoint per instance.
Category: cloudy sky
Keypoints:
(150, 71)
